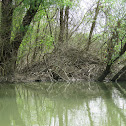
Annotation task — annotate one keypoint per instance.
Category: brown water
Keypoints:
(61, 104)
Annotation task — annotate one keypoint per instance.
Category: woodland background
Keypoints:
(63, 40)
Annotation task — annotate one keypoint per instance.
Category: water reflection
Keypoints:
(9, 114)
(62, 105)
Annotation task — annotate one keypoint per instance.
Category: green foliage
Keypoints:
(64, 3)
(47, 43)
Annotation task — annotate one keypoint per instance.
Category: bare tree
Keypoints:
(93, 25)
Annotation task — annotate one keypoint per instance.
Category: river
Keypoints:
(63, 104)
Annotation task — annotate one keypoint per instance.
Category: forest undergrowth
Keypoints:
(68, 65)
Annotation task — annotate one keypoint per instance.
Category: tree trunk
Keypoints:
(67, 22)
(110, 63)
(119, 74)
(61, 33)
(25, 23)
(9, 50)
(5, 35)
(93, 26)
(105, 73)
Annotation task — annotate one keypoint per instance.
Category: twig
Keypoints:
(18, 4)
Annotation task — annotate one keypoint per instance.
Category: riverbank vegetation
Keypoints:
(63, 40)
